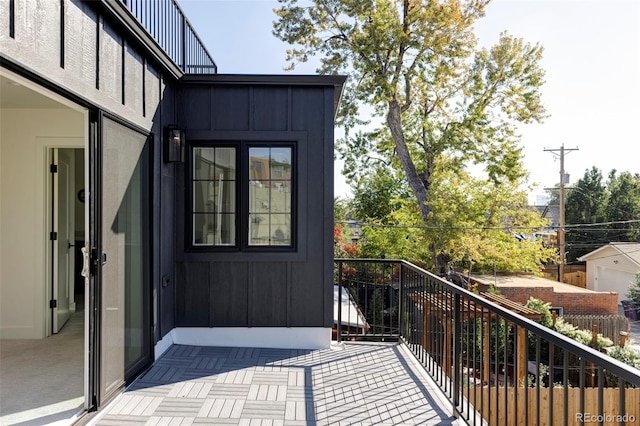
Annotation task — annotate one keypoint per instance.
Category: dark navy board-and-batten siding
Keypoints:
(262, 288)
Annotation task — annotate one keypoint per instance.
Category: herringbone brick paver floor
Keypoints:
(354, 383)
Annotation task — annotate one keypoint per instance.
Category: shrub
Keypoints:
(633, 291)
(626, 354)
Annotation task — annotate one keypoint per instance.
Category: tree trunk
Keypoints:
(394, 121)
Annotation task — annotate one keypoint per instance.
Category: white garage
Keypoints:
(613, 267)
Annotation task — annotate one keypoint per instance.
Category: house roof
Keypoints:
(630, 250)
(351, 314)
(551, 212)
(528, 281)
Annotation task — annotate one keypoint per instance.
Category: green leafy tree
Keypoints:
(342, 209)
(417, 65)
(376, 194)
(584, 204)
(399, 236)
(633, 292)
(477, 224)
(622, 205)
(593, 201)
(484, 225)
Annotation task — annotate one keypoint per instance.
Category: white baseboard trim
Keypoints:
(162, 346)
(244, 337)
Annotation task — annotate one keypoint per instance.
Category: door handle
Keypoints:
(85, 261)
(69, 245)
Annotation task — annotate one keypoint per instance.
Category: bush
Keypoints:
(633, 292)
(626, 354)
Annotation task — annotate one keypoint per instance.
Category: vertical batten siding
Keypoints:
(62, 33)
(35, 24)
(81, 56)
(77, 49)
(328, 193)
(260, 289)
(133, 80)
(193, 302)
(12, 19)
(111, 62)
(265, 116)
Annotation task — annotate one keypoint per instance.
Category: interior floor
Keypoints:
(41, 381)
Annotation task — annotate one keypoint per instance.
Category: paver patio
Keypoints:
(352, 383)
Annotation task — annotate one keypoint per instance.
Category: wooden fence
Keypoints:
(608, 325)
(578, 279)
(513, 413)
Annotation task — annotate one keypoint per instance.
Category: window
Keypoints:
(242, 196)
(269, 196)
(214, 196)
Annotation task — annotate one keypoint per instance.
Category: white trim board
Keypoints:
(244, 337)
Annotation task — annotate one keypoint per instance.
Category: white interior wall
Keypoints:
(25, 136)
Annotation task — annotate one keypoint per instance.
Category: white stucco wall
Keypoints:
(25, 136)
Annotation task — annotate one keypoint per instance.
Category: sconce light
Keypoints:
(174, 141)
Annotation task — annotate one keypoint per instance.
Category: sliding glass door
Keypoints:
(124, 257)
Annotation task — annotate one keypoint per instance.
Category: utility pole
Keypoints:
(560, 235)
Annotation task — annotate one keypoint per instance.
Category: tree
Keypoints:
(622, 205)
(377, 194)
(417, 64)
(584, 205)
(481, 225)
(484, 225)
(591, 201)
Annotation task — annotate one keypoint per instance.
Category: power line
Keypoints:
(574, 227)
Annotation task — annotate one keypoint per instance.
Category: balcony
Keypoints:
(168, 27)
(412, 349)
(493, 362)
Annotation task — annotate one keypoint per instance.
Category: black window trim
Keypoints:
(242, 201)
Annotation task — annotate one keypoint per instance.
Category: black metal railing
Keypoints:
(495, 365)
(169, 27)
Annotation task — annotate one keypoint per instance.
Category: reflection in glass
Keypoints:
(270, 196)
(214, 196)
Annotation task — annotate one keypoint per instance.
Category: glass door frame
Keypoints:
(96, 260)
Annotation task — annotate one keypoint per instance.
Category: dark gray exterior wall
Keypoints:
(82, 51)
(262, 289)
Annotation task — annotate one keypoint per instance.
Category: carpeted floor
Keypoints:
(41, 381)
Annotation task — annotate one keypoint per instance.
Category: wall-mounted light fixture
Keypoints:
(174, 141)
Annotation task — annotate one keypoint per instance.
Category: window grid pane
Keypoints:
(270, 196)
(214, 196)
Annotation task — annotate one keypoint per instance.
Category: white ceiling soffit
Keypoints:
(19, 93)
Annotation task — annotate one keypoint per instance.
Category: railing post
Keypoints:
(457, 349)
(339, 325)
(183, 43)
(401, 302)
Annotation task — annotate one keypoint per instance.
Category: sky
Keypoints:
(591, 58)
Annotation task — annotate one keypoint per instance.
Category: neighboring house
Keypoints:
(566, 298)
(613, 267)
(549, 234)
(550, 212)
(118, 137)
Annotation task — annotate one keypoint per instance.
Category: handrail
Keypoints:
(490, 361)
(167, 24)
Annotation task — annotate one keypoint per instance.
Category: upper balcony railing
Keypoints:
(493, 361)
(167, 24)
